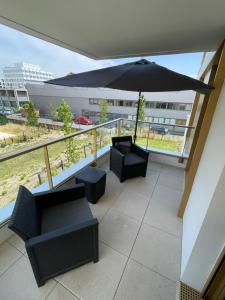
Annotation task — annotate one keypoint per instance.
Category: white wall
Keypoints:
(44, 94)
(204, 218)
(61, 91)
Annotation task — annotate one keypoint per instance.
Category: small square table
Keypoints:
(94, 180)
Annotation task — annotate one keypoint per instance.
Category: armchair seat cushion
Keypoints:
(133, 159)
(65, 214)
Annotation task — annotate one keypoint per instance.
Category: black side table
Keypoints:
(94, 180)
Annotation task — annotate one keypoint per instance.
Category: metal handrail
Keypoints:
(162, 124)
(93, 130)
(16, 153)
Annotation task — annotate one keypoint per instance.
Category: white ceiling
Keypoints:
(119, 28)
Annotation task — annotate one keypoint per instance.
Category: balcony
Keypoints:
(139, 239)
(139, 232)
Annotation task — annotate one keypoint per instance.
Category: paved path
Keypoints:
(4, 135)
(46, 121)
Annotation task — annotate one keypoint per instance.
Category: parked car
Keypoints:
(83, 120)
(159, 129)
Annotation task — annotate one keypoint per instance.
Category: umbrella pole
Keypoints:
(137, 115)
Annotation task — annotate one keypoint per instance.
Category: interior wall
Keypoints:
(204, 215)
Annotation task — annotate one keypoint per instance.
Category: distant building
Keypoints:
(12, 99)
(2, 83)
(172, 108)
(18, 75)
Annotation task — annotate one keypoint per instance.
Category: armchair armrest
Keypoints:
(59, 233)
(139, 151)
(117, 162)
(117, 158)
(54, 197)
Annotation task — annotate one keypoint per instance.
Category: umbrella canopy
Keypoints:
(142, 75)
(139, 76)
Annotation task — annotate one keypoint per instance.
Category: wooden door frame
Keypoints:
(216, 67)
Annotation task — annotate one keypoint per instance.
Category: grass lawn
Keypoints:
(24, 169)
(165, 143)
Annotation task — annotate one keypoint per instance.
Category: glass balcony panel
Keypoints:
(28, 169)
(64, 154)
(105, 134)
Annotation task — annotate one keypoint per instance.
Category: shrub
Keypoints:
(4, 192)
(3, 120)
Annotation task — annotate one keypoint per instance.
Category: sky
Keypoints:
(16, 46)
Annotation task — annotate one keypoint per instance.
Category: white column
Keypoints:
(204, 218)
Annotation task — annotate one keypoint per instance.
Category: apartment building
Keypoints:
(2, 83)
(19, 74)
(12, 99)
(172, 108)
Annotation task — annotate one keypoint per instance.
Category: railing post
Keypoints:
(48, 168)
(149, 128)
(94, 141)
(181, 159)
(119, 127)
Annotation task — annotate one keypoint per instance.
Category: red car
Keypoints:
(83, 120)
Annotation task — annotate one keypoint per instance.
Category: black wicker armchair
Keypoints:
(58, 228)
(127, 159)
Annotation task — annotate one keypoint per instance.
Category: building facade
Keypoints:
(2, 83)
(18, 75)
(11, 100)
(168, 107)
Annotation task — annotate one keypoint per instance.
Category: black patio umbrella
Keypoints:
(140, 76)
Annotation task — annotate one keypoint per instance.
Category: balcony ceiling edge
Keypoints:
(130, 29)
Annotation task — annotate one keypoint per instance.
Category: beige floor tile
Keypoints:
(60, 293)
(154, 166)
(159, 251)
(141, 283)
(162, 212)
(96, 281)
(118, 231)
(113, 189)
(18, 243)
(175, 182)
(165, 192)
(171, 170)
(143, 185)
(152, 173)
(113, 186)
(101, 207)
(8, 256)
(132, 204)
(18, 283)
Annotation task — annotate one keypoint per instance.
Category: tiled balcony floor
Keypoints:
(140, 244)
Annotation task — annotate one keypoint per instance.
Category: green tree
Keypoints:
(32, 114)
(103, 109)
(3, 119)
(53, 113)
(66, 116)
